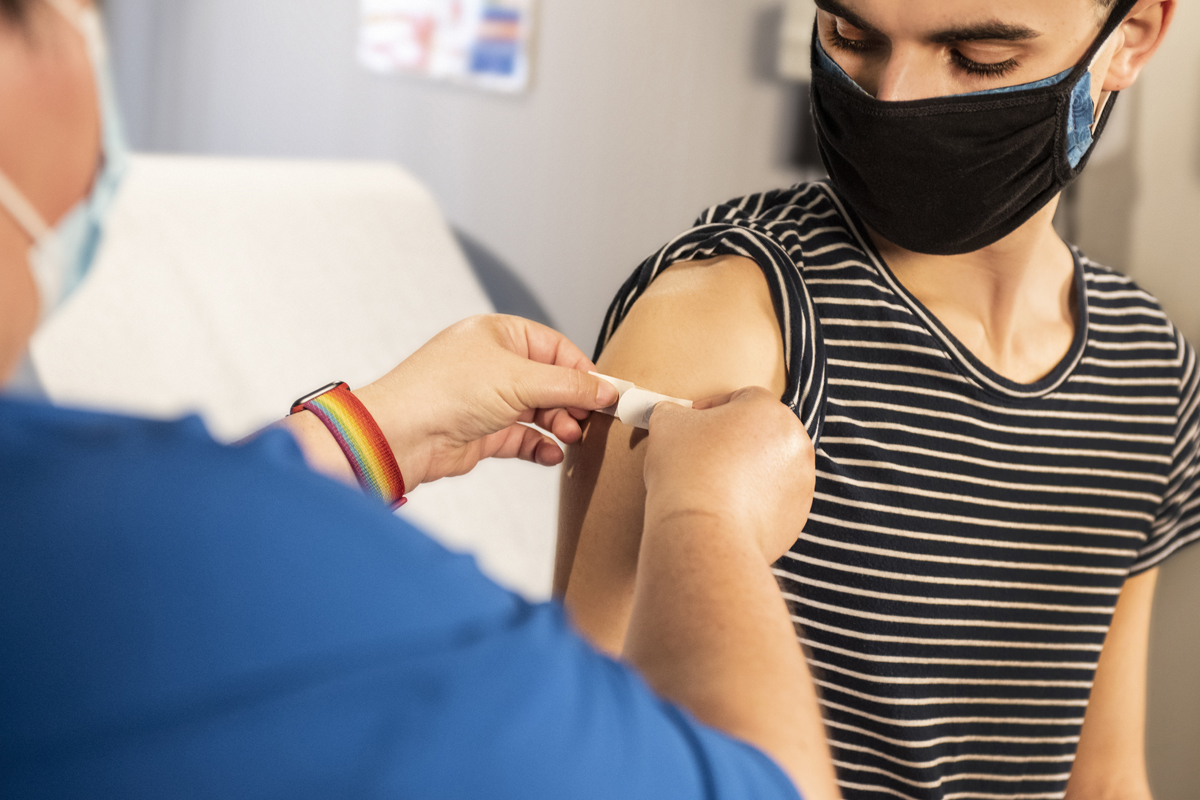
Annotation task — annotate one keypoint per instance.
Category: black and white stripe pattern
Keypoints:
(970, 536)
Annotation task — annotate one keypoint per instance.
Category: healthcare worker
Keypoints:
(183, 619)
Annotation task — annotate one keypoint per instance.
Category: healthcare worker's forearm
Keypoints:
(320, 449)
(711, 632)
(469, 394)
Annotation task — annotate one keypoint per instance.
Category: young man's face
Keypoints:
(915, 49)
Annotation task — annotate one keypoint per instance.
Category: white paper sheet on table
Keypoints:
(483, 43)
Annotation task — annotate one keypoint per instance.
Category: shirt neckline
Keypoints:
(968, 364)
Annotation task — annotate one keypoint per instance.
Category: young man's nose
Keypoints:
(910, 73)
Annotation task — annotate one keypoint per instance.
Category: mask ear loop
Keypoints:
(22, 210)
(1104, 96)
(1100, 106)
(1115, 21)
(12, 198)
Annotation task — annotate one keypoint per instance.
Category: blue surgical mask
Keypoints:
(62, 255)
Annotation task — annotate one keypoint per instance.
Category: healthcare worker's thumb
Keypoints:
(548, 387)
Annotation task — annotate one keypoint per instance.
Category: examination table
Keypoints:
(230, 287)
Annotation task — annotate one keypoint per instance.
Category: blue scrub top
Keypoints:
(180, 619)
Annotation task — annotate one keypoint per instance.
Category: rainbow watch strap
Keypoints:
(359, 436)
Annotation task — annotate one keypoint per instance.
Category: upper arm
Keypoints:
(702, 329)
(1110, 763)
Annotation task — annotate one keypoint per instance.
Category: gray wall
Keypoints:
(1173, 735)
(643, 113)
(1139, 211)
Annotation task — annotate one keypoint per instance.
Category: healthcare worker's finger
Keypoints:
(453, 402)
(663, 413)
(561, 423)
(558, 421)
(714, 402)
(666, 407)
(523, 443)
(746, 456)
(545, 345)
(550, 387)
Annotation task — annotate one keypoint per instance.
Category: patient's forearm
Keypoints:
(710, 631)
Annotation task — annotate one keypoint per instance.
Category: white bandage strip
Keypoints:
(636, 405)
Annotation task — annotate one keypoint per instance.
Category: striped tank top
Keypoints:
(970, 535)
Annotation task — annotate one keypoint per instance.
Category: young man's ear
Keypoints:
(1143, 32)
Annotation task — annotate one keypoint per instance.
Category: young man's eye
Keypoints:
(853, 40)
(994, 70)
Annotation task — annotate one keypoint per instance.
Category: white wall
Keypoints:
(643, 114)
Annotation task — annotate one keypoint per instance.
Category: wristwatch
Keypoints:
(359, 436)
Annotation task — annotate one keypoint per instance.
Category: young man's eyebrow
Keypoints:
(986, 31)
(994, 31)
(836, 8)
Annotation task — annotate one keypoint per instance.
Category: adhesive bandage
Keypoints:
(636, 404)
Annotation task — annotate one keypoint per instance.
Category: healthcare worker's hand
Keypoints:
(744, 458)
(464, 396)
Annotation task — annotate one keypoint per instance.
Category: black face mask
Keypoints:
(952, 175)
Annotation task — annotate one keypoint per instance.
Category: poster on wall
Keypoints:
(483, 43)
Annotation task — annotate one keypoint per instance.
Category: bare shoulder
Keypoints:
(701, 329)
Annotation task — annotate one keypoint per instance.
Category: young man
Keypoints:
(1006, 432)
